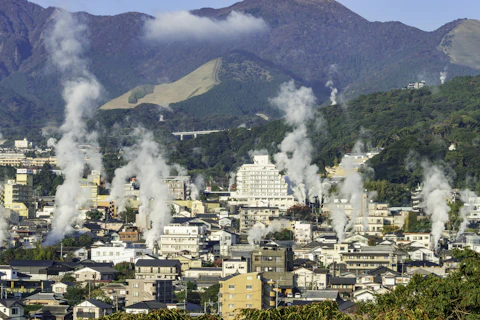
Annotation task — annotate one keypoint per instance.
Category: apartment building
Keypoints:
(303, 232)
(237, 292)
(370, 258)
(275, 262)
(250, 216)
(423, 238)
(180, 239)
(119, 251)
(17, 194)
(147, 290)
(158, 269)
(261, 184)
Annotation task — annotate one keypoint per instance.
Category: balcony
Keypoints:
(86, 315)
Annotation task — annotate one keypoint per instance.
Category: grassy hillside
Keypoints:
(462, 44)
(195, 83)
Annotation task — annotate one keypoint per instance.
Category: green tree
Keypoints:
(69, 242)
(128, 215)
(75, 295)
(210, 294)
(323, 311)
(94, 215)
(68, 278)
(126, 270)
(85, 240)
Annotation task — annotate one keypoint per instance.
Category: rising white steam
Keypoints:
(146, 162)
(333, 92)
(4, 232)
(196, 187)
(443, 75)
(183, 26)
(295, 154)
(436, 191)
(81, 92)
(465, 196)
(259, 231)
(339, 222)
(231, 180)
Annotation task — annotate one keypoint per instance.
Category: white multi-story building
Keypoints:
(303, 232)
(178, 240)
(235, 266)
(225, 238)
(119, 251)
(261, 184)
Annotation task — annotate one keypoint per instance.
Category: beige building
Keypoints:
(238, 292)
(17, 194)
(147, 290)
(249, 216)
(158, 269)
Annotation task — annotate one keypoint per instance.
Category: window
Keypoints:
(135, 294)
(249, 296)
(231, 305)
(135, 285)
(231, 286)
(249, 278)
(249, 306)
(14, 311)
(249, 287)
(231, 296)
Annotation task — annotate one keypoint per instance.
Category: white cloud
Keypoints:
(182, 25)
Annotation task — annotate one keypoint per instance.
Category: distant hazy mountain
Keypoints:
(311, 40)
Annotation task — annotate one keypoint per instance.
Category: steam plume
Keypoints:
(231, 181)
(295, 154)
(197, 187)
(146, 162)
(465, 196)
(339, 221)
(81, 92)
(333, 92)
(183, 26)
(443, 75)
(352, 190)
(259, 231)
(4, 232)
(436, 190)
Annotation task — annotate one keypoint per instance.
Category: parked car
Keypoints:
(298, 295)
(289, 295)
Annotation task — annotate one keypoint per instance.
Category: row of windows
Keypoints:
(232, 286)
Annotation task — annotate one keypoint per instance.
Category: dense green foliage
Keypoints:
(126, 270)
(396, 195)
(37, 253)
(163, 314)
(7, 173)
(46, 181)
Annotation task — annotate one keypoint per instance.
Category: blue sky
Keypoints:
(424, 14)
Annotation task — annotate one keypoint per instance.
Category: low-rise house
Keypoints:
(423, 254)
(158, 269)
(145, 307)
(60, 287)
(364, 295)
(36, 269)
(95, 273)
(8, 273)
(197, 273)
(188, 262)
(343, 284)
(91, 309)
(44, 298)
(424, 238)
(61, 312)
(12, 309)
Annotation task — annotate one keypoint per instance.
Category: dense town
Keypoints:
(249, 245)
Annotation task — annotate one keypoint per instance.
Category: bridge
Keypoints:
(193, 133)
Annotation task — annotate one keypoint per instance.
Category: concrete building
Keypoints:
(370, 258)
(158, 269)
(179, 186)
(17, 194)
(275, 263)
(235, 266)
(261, 184)
(303, 232)
(147, 290)
(237, 292)
(180, 239)
(250, 216)
(423, 238)
(117, 252)
(23, 144)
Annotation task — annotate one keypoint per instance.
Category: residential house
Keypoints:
(188, 263)
(95, 273)
(158, 269)
(342, 284)
(226, 239)
(423, 254)
(12, 309)
(91, 309)
(44, 298)
(364, 295)
(129, 234)
(239, 292)
(198, 273)
(60, 312)
(147, 290)
(145, 307)
(424, 238)
(8, 273)
(60, 287)
(36, 269)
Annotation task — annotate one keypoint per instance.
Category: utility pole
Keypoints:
(61, 250)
